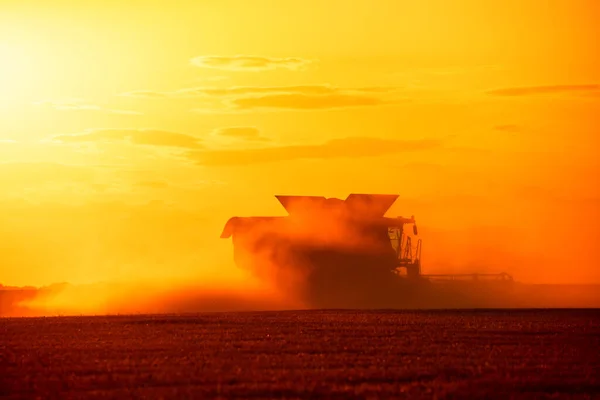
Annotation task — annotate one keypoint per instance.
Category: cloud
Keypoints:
(511, 128)
(446, 71)
(551, 89)
(241, 132)
(239, 91)
(153, 184)
(465, 69)
(249, 63)
(351, 147)
(255, 90)
(77, 105)
(299, 97)
(306, 102)
(148, 94)
(136, 136)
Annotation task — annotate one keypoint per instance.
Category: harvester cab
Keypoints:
(407, 253)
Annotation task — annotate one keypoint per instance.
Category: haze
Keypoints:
(131, 131)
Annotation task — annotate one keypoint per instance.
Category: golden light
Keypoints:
(407, 98)
(15, 71)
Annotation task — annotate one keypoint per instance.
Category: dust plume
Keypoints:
(327, 252)
(119, 258)
(154, 258)
(335, 256)
(149, 298)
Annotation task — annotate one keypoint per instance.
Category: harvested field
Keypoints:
(305, 354)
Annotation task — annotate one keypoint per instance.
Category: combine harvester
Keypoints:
(334, 253)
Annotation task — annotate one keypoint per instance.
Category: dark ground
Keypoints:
(305, 354)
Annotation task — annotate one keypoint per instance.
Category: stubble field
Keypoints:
(305, 354)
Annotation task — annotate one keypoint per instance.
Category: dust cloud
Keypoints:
(149, 298)
(124, 259)
(322, 251)
(354, 263)
(118, 258)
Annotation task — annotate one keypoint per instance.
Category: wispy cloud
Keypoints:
(147, 94)
(458, 69)
(249, 133)
(135, 136)
(238, 91)
(550, 89)
(249, 63)
(152, 184)
(447, 71)
(306, 102)
(79, 105)
(299, 97)
(512, 128)
(351, 147)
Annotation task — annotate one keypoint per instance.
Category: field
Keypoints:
(305, 354)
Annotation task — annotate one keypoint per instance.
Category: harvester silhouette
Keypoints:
(335, 252)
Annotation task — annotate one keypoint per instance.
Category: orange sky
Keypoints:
(130, 131)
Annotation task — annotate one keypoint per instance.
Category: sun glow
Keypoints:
(130, 132)
(15, 70)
